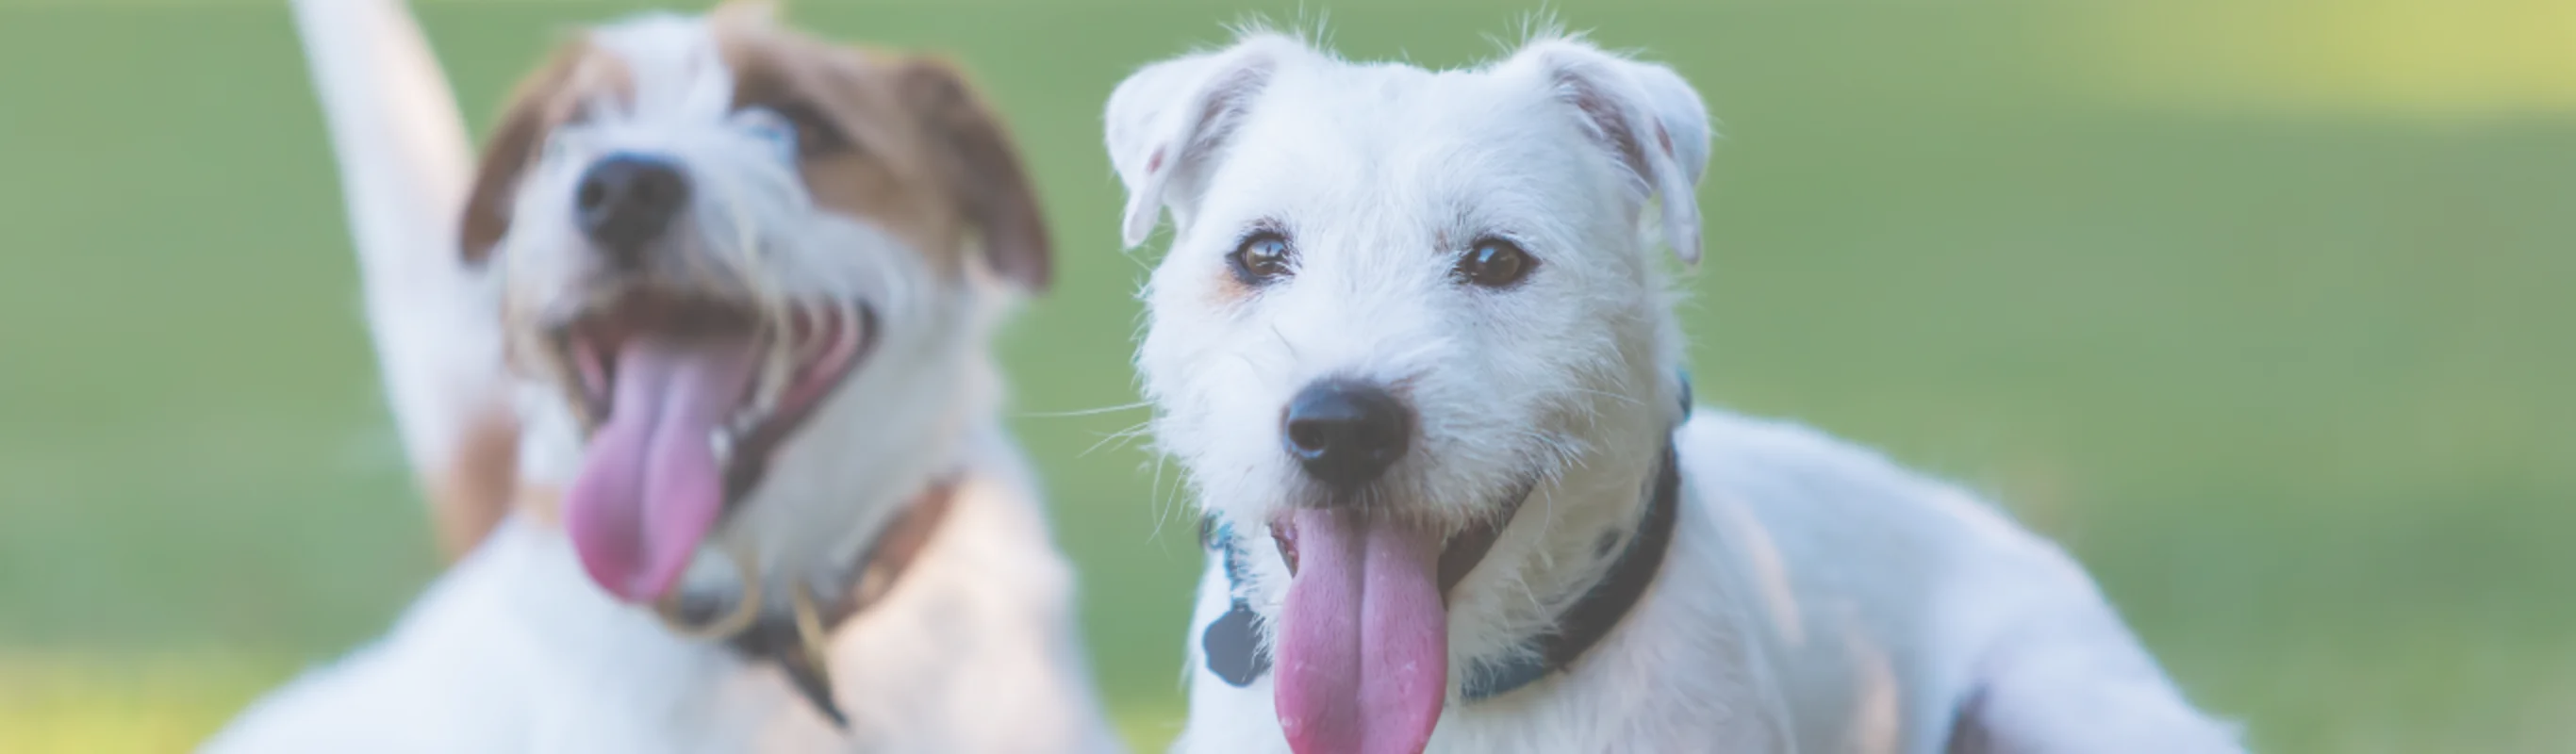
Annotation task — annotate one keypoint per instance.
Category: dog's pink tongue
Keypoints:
(1364, 639)
(651, 485)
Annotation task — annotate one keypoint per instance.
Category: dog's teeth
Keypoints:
(743, 422)
(784, 355)
(721, 442)
(808, 342)
(772, 385)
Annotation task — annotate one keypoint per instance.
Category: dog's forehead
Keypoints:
(663, 65)
(672, 64)
(654, 65)
(1398, 142)
(1380, 111)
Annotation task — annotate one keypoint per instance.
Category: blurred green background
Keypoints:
(2267, 309)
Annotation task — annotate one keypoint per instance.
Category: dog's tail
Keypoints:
(404, 168)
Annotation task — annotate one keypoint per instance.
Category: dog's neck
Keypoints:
(826, 587)
(1565, 538)
(1599, 607)
(797, 639)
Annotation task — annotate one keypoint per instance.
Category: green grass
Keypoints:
(2292, 381)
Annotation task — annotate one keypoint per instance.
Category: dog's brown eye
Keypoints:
(1261, 258)
(816, 135)
(1495, 263)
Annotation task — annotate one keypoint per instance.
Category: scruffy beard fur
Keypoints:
(923, 227)
(1815, 598)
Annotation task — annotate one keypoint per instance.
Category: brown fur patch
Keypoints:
(577, 73)
(924, 157)
(879, 174)
(469, 497)
(542, 503)
(1229, 291)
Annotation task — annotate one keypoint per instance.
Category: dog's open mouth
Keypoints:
(1363, 646)
(1459, 553)
(683, 398)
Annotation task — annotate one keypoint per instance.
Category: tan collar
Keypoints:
(896, 548)
(798, 642)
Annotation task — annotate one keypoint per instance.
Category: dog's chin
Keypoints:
(682, 399)
(1463, 539)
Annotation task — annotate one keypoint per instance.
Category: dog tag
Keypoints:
(1232, 643)
(1233, 646)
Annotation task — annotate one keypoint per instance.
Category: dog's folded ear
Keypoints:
(1646, 116)
(982, 167)
(533, 108)
(1167, 122)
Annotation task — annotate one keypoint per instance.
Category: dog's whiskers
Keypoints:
(1165, 508)
(1130, 434)
(1284, 343)
(1086, 411)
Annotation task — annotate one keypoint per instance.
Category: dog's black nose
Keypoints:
(1346, 433)
(626, 200)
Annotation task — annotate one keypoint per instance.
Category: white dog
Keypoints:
(747, 278)
(1413, 346)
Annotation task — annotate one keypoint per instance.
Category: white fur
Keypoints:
(1816, 598)
(440, 352)
(516, 650)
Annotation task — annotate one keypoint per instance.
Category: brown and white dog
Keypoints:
(760, 498)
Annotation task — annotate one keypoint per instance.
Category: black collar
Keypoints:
(1232, 644)
(1601, 607)
(798, 639)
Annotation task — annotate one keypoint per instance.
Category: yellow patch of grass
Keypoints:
(110, 705)
(87, 704)
(2416, 58)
